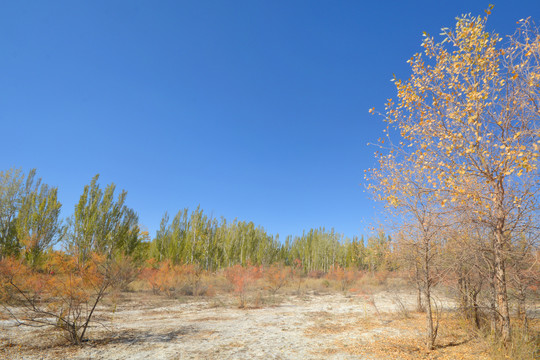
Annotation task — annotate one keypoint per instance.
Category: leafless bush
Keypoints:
(401, 308)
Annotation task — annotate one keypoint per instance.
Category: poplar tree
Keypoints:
(13, 189)
(29, 216)
(38, 223)
(102, 224)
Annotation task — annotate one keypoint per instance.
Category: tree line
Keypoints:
(31, 227)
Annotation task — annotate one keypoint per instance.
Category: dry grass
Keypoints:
(399, 338)
(525, 343)
(211, 318)
(327, 323)
(369, 321)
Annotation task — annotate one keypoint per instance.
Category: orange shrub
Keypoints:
(166, 278)
(241, 277)
(173, 279)
(126, 272)
(276, 276)
(345, 277)
(64, 294)
(316, 274)
(192, 274)
(381, 276)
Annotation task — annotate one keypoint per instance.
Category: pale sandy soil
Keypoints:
(304, 326)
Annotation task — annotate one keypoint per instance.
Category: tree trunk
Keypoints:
(493, 305)
(431, 334)
(522, 310)
(500, 270)
(419, 305)
(430, 340)
(475, 309)
(463, 300)
(502, 297)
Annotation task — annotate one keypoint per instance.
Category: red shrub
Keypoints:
(276, 276)
(345, 277)
(241, 277)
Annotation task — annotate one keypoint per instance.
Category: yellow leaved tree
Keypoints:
(468, 118)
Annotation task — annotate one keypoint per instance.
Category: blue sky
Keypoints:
(252, 109)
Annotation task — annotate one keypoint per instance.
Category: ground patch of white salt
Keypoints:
(300, 327)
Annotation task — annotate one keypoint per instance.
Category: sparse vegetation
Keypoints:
(458, 277)
(63, 295)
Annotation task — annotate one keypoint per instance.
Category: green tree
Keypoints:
(13, 189)
(102, 224)
(29, 215)
(38, 222)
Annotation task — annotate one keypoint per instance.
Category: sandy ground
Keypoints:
(308, 326)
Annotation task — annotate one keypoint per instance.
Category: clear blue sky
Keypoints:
(252, 109)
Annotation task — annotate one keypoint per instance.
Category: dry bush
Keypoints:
(276, 276)
(381, 277)
(345, 277)
(298, 273)
(216, 283)
(241, 278)
(192, 276)
(9, 268)
(127, 272)
(317, 286)
(373, 281)
(525, 343)
(63, 294)
(164, 278)
(316, 274)
(397, 280)
(401, 308)
(175, 280)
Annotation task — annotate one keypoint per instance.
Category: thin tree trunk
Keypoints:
(419, 305)
(462, 294)
(475, 309)
(493, 305)
(431, 335)
(522, 310)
